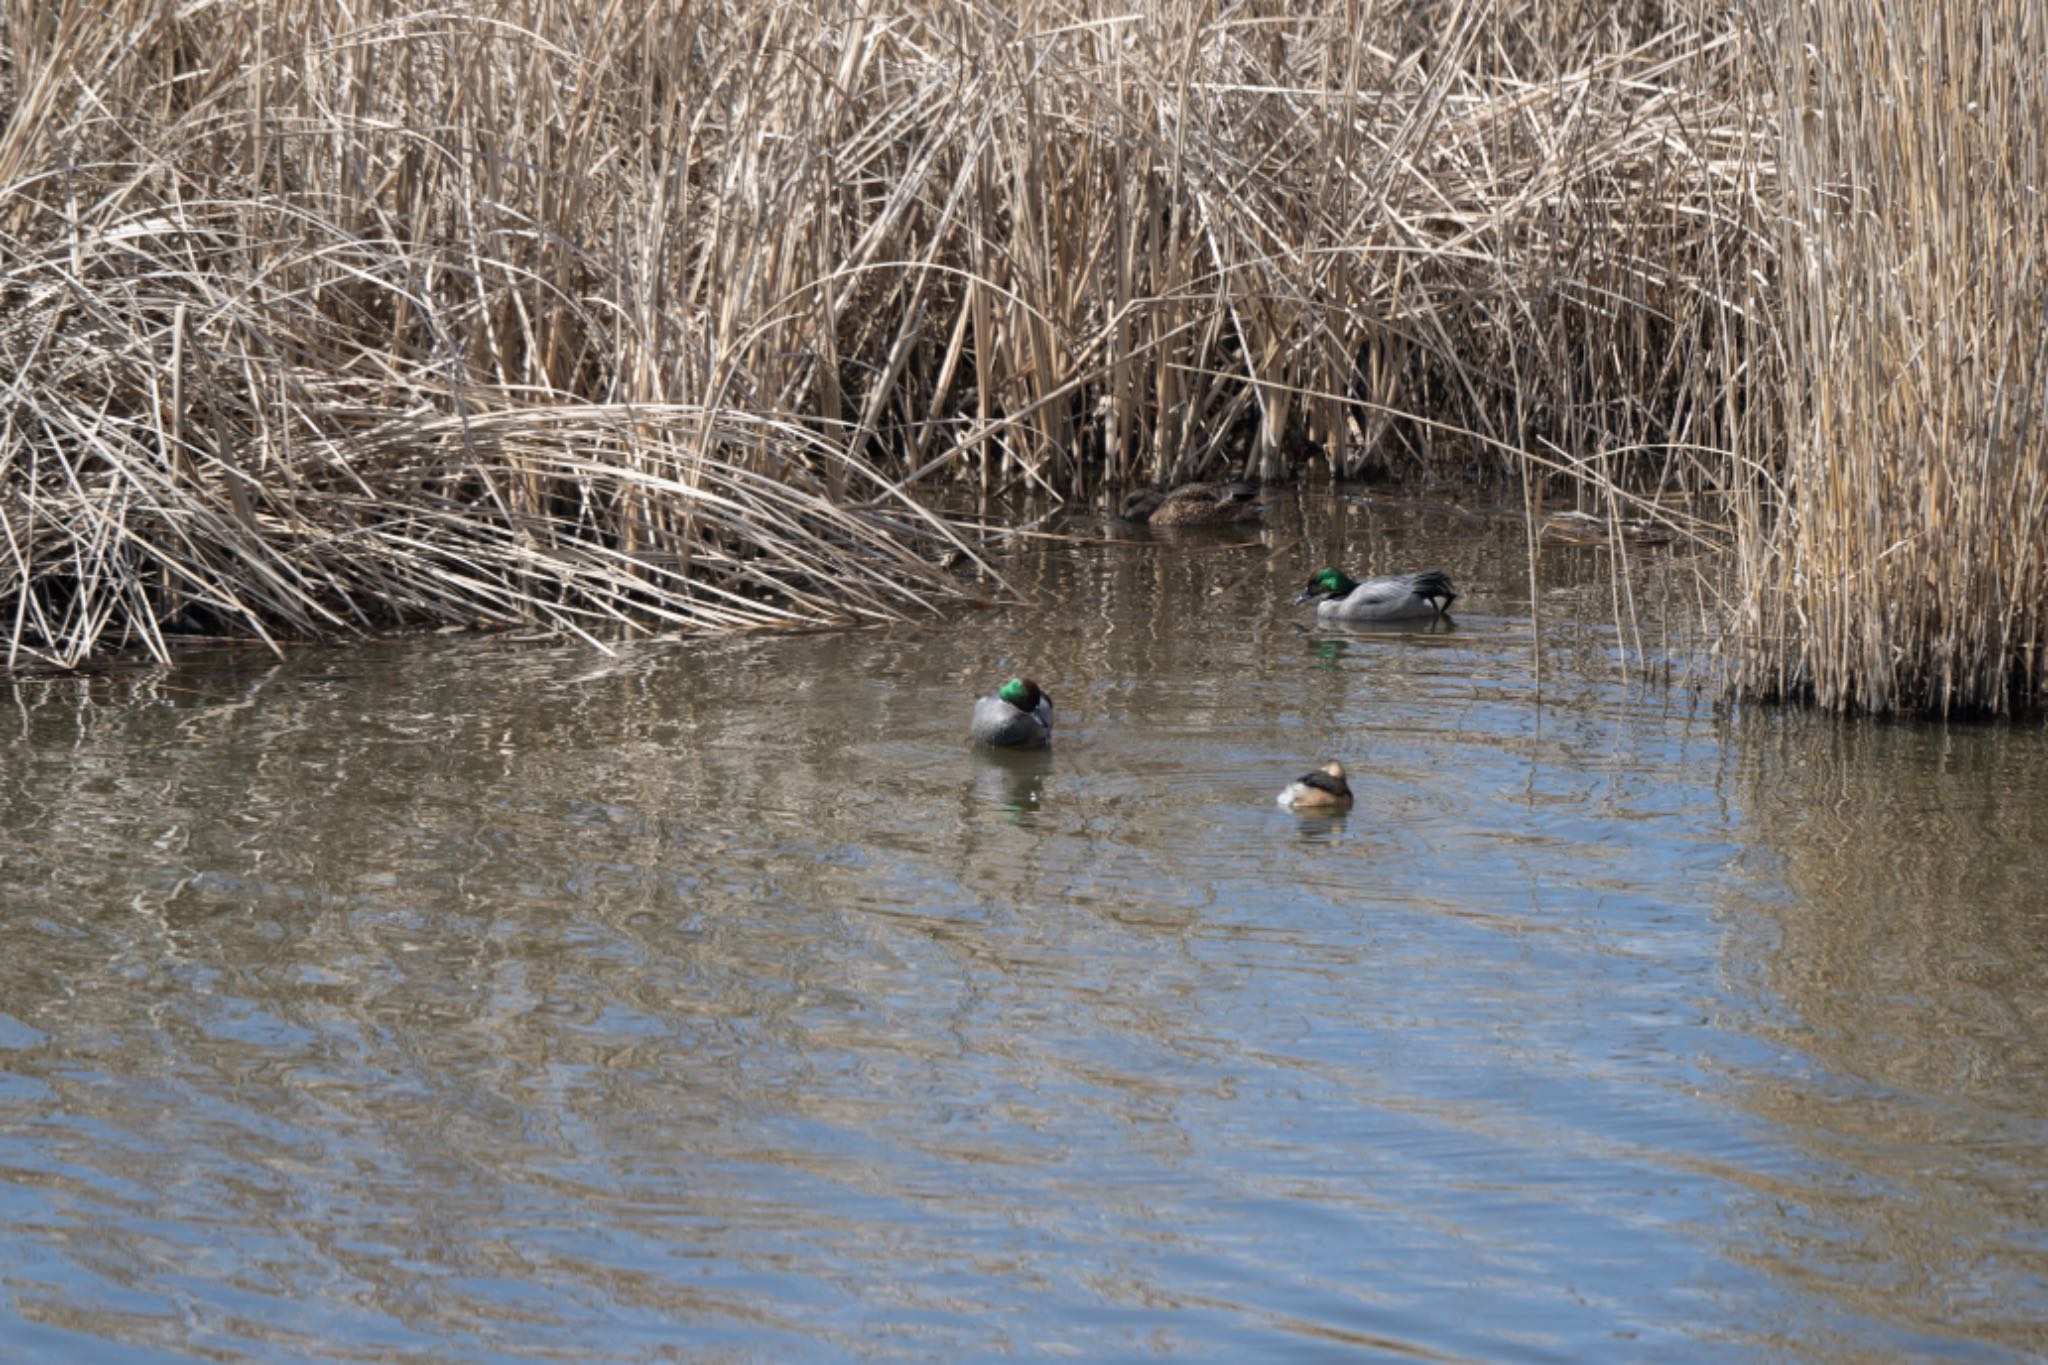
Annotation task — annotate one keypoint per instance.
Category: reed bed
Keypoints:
(608, 317)
(1895, 556)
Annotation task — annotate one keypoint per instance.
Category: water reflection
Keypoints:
(1906, 966)
(1439, 625)
(1013, 779)
(1317, 827)
(473, 998)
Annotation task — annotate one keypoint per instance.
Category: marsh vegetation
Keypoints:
(319, 321)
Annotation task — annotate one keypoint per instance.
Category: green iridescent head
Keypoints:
(1327, 583)
(1021, 693)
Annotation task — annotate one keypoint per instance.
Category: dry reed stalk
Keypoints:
(1904, 565)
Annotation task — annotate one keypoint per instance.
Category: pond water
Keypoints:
(487, 999)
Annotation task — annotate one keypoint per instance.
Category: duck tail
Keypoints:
(1435, 585)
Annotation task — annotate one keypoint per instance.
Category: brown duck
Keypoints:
(1194, 504)
(1322, 790)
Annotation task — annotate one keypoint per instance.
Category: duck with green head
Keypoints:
(1194, 504)
(1323, 790)
(1017, 716)
(1339, 597)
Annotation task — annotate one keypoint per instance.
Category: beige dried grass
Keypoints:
(1900, 561)
(607, 317)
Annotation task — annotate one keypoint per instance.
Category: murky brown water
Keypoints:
(476, 999)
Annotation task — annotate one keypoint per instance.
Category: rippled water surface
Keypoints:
(487, 999)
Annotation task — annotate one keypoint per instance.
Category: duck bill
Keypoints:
(1307, 595)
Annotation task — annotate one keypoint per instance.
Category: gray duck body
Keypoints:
(1397, 597)
(1004, 724)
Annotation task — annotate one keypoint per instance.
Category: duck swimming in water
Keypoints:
(1322, 790)
(1194, 504)
(1339, 597)
(1017, 716)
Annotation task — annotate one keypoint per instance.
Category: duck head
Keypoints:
(1326, 583)
(1024, 694)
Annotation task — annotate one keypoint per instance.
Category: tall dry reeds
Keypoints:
(596, 315)
(1897, 555)
(319, 318)
(318, 321)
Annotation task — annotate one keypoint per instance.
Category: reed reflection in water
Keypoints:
(480, 999)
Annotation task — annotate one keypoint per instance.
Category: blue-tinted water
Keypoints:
(489, 999)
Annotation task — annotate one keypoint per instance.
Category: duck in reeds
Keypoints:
(1583, 528)
(1339, 597)
(1194, 504)
(1322, 790)
(1017, 716)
